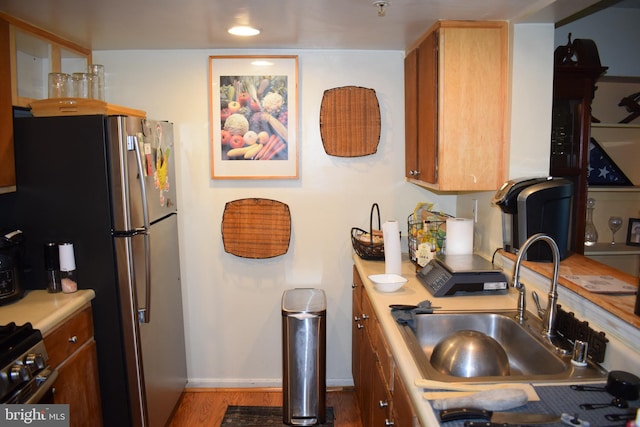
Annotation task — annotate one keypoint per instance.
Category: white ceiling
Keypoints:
(285, 24)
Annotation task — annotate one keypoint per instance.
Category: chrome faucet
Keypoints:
(550, 314)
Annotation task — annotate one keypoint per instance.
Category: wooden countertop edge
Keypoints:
(620, 306)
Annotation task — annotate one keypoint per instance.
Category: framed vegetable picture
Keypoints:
(253, 106)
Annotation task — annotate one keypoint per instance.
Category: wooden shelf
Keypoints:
(614, 189)
(631, 126)
(619, 79)
(609, 249)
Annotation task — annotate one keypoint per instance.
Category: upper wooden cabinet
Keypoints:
(455, 107)
(27, 55)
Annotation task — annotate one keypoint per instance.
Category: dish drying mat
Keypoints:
(563, 399)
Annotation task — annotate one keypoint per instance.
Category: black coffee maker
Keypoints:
(536, 205)
(11, 269)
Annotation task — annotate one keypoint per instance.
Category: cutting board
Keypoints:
(256, 228)
(350, 121)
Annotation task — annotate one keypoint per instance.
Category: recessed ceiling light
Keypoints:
(244, 31)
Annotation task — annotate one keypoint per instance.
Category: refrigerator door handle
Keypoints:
(144, 312)
(134, 144)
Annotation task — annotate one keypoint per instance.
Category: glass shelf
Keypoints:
(614, 189)
(609, 249)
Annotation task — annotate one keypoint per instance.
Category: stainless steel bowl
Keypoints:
(470, 354)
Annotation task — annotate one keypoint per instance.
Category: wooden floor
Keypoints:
(206, 407)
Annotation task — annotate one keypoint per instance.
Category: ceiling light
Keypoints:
(381, 5)
(244, 31)
(262, 63)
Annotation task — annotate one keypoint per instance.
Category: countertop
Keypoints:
(44, 310)
(414, 292)
(620, 306)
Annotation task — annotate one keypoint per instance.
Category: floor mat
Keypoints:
(261, 416)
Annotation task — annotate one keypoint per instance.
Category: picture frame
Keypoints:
(633, 232)
(253, 107)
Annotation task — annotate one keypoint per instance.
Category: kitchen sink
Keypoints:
(531, 356)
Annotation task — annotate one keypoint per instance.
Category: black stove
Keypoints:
(24, 374)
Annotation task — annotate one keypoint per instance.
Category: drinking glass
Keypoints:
(59, 85)
(615, 222)
(97, 83)
(81, 85)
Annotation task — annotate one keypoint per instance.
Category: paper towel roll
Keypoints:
(459, 236)
(392, 253)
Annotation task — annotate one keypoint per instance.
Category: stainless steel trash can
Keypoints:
(304, 356)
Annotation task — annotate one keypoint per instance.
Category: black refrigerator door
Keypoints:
(63, 194)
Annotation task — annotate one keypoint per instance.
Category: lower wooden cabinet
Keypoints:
(402, 414)
(72, 352)
(382, 396)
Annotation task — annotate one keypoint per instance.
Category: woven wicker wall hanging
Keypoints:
(350, 121)
(256, 228)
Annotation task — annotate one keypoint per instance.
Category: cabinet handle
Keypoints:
(73, 339)
(383, 404)
(388, 422)
(414, 173)
(360, 326)
(354, 285)
(364, 316)
(356, 319)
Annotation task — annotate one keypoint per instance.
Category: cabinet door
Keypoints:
(77, 385)
(428, 109)
(420, 67)
(411, 114)
(472, 106)
(403, 413)
(461, 90)
(7, 167)
(381, 399)
(357, 332)
(368, 364)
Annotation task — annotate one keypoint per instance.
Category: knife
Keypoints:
(498, 418)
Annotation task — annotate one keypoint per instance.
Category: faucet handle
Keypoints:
(536, 300)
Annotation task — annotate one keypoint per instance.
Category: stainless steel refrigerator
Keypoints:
(107, 185)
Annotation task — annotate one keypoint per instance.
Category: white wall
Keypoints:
(232, 305)
(531, 101)
(616, 33)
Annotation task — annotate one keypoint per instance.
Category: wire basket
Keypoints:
(432, 230)
(365, 244)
